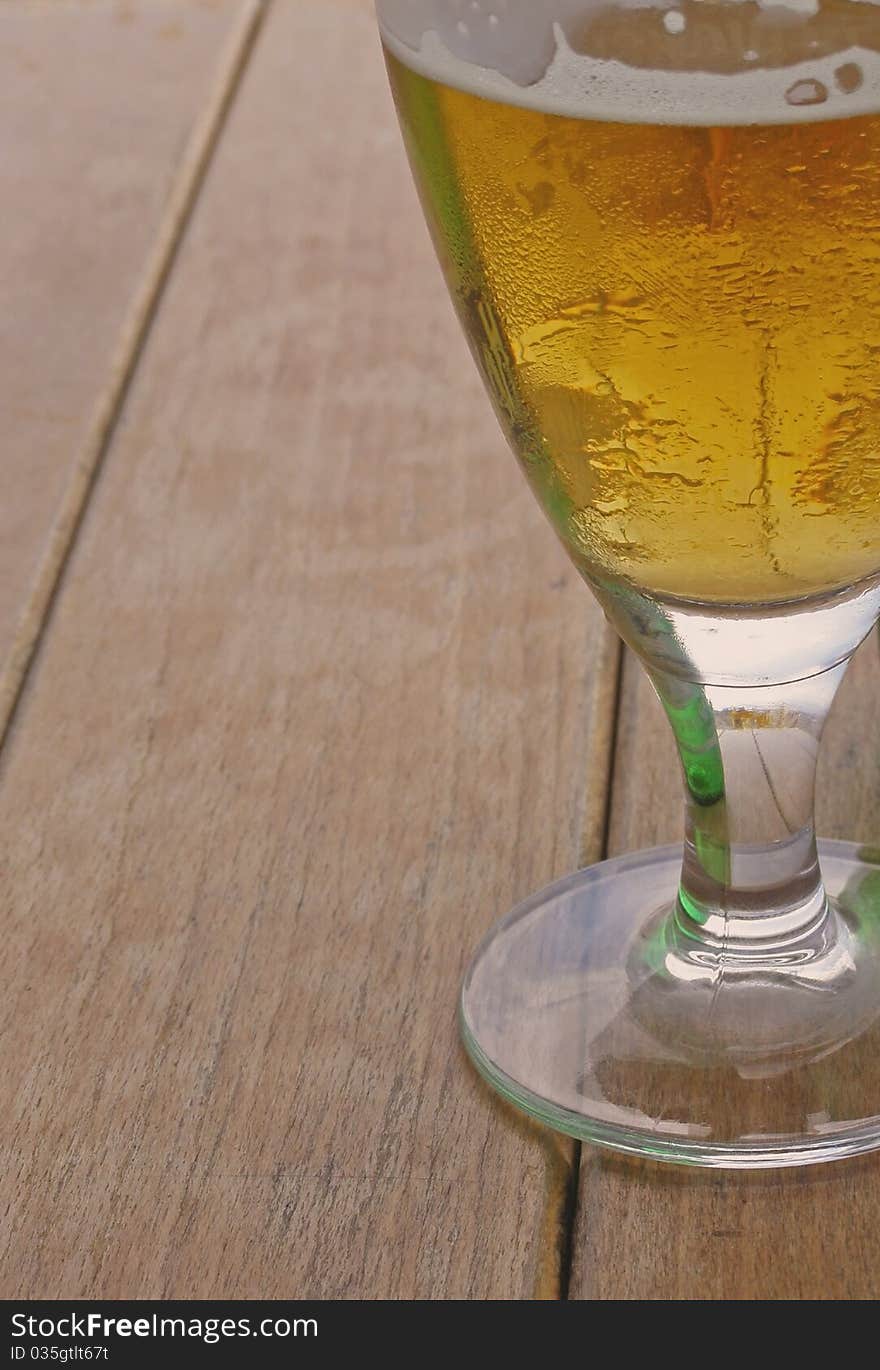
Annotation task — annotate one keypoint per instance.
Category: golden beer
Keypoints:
(679, 326)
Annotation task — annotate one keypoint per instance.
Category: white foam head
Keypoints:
(650, 61)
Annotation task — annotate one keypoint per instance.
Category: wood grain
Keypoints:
(646, 1231)
(317, 702)
(94, 174)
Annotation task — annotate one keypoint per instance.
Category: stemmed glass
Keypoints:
(659, 224)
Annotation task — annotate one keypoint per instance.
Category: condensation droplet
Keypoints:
(674, 21)
(849, 77)
(750, 55)
(806, 93)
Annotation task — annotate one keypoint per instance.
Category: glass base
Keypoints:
(580, 1009)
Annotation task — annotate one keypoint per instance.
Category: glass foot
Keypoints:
(583, 1008)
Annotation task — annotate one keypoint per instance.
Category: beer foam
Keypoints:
(701, 62)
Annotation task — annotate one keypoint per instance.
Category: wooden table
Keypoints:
(298, 694)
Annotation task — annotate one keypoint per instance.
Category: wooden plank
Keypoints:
(95, 179)
(646, 1231)
(316, 705)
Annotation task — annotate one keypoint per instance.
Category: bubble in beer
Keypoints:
(808, 92)
(848, 77)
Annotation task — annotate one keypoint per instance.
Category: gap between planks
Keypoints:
(564, 1157)
(188, 180)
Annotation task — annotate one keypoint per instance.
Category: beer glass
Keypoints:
(659, 221)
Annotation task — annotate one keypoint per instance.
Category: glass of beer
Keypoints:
(659, 221)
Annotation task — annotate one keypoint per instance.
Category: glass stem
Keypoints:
(750, 881)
